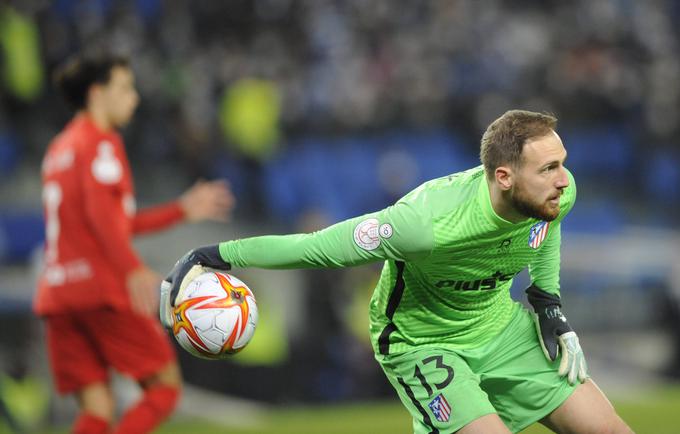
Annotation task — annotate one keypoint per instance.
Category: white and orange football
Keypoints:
(216, 315)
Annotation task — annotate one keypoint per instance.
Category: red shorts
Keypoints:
(84, 345)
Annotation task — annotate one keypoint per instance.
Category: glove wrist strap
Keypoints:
(541, 300)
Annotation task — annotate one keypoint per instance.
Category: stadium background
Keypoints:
(316, 111)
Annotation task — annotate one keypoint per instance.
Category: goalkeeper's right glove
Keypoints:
(185, 270)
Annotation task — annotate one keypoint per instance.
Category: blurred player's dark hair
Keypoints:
(504, 139)
(75, 76)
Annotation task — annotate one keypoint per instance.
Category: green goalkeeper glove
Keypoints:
(556, 335)
(190, 266)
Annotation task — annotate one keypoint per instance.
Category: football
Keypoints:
(216, 316)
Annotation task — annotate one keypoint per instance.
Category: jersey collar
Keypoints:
(484, 200)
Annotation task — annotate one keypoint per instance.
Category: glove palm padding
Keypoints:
(189, 266)
(556, 335)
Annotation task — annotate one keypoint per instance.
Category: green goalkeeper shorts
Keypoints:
(445, 390)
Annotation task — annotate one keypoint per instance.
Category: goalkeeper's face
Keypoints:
(541, 179)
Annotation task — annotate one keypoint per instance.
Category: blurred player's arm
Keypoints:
(205, 200)
(105, 213)
(103, 204)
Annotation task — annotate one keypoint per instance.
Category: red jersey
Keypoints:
(90, 218)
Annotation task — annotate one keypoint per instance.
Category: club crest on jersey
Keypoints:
(537, 234)
(440, 408)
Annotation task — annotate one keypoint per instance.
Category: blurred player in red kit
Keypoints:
(97, 297)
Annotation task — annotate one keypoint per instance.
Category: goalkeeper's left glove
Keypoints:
(185, 270)
(556, 335)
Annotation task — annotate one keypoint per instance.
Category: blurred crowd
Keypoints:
(240, 81)
(355, 64)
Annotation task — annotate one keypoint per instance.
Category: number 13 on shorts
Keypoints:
(438, 388)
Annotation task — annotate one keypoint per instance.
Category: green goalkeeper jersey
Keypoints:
(449, 261)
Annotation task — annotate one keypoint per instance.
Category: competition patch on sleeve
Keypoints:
(537, 234)
(440, 408)
(386, 230)
(366, 234)
(105, 167)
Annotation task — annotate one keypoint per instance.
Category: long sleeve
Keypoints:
(400, 232)
(545, 270)
(157, 218)
(104, 177)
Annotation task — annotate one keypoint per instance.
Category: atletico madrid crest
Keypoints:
(440, 408)
(537, 234)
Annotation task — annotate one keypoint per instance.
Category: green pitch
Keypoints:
(655, 412)
(651, 412)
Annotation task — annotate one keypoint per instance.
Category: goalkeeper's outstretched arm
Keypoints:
(398, 232)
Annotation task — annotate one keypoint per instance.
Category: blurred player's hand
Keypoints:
(141, 284)
(187, 268)
(207, 200)
(556, 335)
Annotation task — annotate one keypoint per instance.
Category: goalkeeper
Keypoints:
(461, 354)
